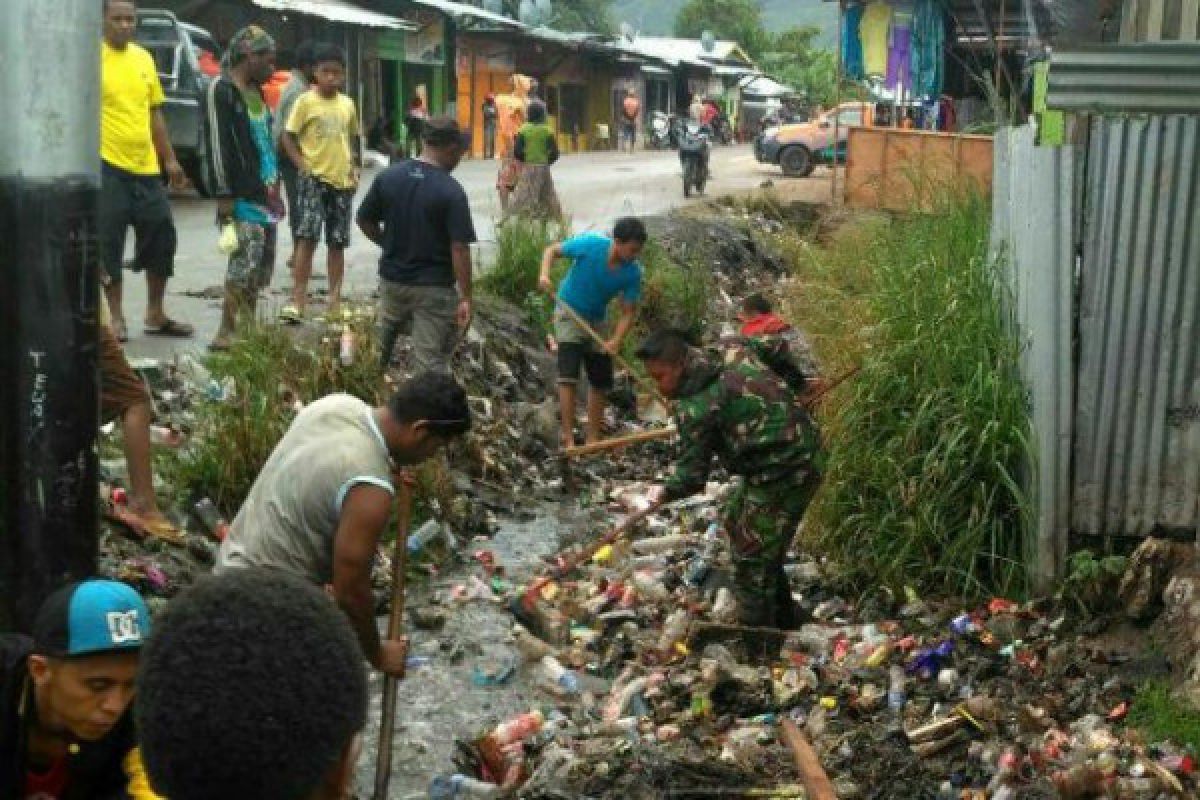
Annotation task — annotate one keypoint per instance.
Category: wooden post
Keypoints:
(812, 774)
(383, 756)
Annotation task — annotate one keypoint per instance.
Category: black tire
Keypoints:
(796, 162)
(198, 172)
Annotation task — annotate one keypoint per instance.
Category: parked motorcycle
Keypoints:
(722, 130)
(662, 130)
(695, 145)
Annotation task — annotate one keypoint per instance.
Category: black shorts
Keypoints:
(598, 365)
(140, 201)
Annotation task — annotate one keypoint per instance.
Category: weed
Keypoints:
(1161, 716)
(271, 370)
(1091, 582)
(927, 440)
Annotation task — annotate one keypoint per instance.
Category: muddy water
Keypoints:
(439, 702)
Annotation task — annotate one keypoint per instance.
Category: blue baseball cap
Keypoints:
(90, 617)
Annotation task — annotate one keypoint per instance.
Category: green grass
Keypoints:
(1161, 716)
(925, 443)
(270, 367)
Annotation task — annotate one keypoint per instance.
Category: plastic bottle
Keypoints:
(346, 348)
(517, 729)
(448, 787)
(562, 676)
(206, 511)
(423, 535)
(674, 629)
(897, 694)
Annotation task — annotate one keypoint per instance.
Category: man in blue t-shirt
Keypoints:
(601, 269)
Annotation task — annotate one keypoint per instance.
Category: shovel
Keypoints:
(383, 760)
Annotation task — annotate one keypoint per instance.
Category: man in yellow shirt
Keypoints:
(133, 142)
(320, 140)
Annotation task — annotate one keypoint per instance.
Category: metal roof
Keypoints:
(337, 11)
(474, 12)
(686, 51)
(1162, 78)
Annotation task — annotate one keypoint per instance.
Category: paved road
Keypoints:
(595, 188)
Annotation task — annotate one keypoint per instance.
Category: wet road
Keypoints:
(595, 188)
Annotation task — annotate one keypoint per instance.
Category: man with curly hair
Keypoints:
(252, 686)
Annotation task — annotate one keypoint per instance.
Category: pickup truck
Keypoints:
(178, 48)
(799, 148)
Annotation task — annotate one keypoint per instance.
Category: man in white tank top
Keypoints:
(324, 497)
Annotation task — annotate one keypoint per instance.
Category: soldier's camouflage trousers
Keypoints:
(761, 522)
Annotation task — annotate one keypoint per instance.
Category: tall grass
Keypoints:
(270, 369)
(927, 440)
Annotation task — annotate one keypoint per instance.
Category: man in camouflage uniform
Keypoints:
(742, 412)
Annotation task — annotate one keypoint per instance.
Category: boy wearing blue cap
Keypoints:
(66, 731)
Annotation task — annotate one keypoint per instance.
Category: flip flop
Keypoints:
(119, 330)
(291, 315)
(170, 327)
(140, 526)
(219, 346)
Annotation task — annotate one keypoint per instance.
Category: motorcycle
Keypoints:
(722, 130)
(695, 146)
(662, 130)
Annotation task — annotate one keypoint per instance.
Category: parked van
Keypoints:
(177, 49)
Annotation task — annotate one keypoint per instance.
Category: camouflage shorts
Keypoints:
(323, 207)
(762, 522)
(253, 263)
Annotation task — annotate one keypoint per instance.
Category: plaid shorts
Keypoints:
(253, 263)
(323, 206)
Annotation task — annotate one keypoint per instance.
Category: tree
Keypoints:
(736, 20)
(592, 16)
(791, 57)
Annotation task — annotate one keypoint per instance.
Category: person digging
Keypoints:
(745, 415)
(324, 497)
(602, 268)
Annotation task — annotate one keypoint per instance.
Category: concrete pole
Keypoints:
(49, 186)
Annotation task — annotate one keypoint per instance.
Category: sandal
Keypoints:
(170, 327)
(219, 346)
(158, 527)
(119, 330)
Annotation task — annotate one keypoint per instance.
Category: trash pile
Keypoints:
(652, 688)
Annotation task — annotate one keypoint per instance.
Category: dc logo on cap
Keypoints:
(123, 627)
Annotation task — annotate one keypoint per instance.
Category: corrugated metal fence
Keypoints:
(1137, 420)
(1113, 360)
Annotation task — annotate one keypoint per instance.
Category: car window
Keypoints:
(850, 117)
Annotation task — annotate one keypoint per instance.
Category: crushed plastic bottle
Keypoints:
(449, 787)
(423, 535)
(560, 675)
(897, 695)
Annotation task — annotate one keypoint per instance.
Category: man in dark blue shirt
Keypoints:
(420, 216)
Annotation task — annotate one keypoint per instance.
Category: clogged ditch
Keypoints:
(542, 666)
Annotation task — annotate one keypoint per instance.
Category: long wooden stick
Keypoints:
(812, 774)
(618, 442)
(383, 760)
(590, 331)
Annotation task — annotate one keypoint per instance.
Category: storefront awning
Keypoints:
(337, 11)
(652, 70)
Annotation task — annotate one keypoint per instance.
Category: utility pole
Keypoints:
(49, 187)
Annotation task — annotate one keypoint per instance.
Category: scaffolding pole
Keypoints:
(49, 185)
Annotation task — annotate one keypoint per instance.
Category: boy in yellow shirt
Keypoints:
(320, 139)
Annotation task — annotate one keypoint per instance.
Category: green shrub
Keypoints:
(926, 444)
(1163, 717)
